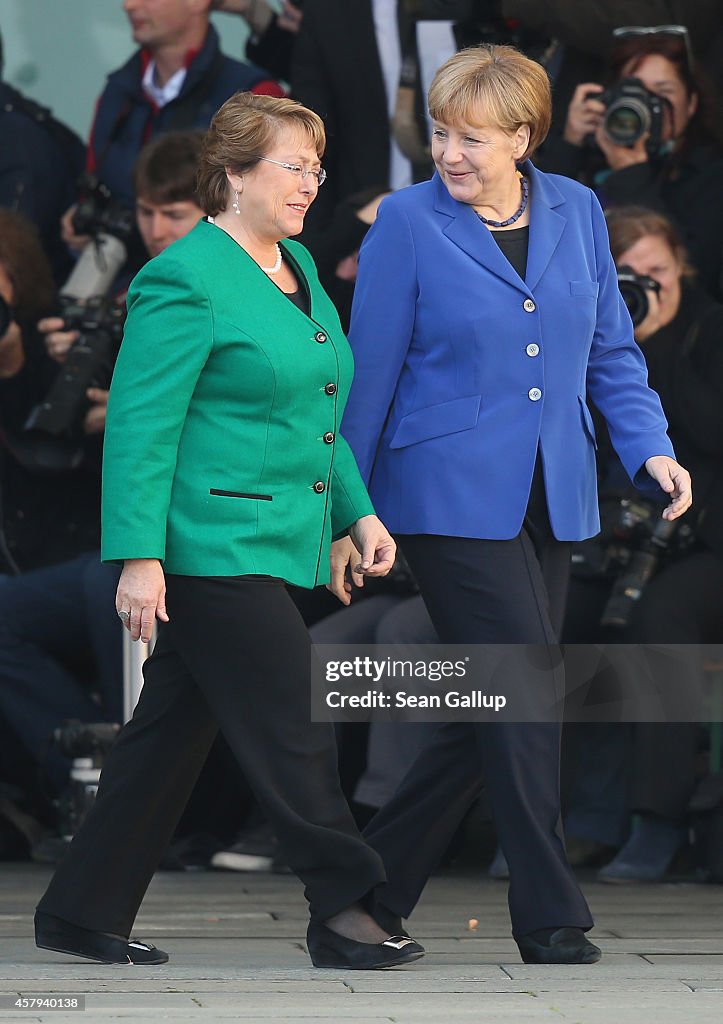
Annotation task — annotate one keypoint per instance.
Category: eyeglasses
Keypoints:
(298, 170)
(675, 31)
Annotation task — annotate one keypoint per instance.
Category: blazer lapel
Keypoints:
(546, 227)
(467, 231)
(546, 224)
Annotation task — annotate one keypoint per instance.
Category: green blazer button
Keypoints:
(319, 486)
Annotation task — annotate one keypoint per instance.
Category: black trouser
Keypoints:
(236, 653)
(487, 591)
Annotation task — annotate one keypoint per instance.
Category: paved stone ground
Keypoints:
(237, 952)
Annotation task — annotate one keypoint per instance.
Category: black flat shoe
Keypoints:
(328, 949)
(64, 937)
(564, 946)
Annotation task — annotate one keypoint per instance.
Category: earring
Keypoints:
(234, 204)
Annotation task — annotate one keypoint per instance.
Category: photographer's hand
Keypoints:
(75, 242)
(57, 341)
(94, 422)
(675, 481)
(619, 157)
(584, 115)
(258, 13)
(142, 594)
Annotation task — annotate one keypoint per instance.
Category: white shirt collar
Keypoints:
(162, 94)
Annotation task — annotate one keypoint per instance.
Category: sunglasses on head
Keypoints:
(672, 31)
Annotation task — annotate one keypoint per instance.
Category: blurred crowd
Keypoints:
(637, 118)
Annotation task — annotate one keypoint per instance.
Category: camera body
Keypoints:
(87, 744)
(89, 363)
(82, 739)
(98, 213)
(634, 289)
(632, 111)
(635, 540)
(54, 429)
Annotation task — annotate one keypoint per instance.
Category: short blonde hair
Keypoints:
(497, 83)
(241, 132)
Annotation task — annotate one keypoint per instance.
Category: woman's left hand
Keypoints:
(675, 481)
(369, 536)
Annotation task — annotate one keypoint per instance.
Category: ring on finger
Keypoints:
(123, 615)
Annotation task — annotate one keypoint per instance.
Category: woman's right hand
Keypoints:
(344, 558)
(142, 594)
(584, 115)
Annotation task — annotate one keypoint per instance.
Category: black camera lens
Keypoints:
(634, 289)
(627, 121)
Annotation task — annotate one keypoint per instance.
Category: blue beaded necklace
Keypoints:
(525, 187)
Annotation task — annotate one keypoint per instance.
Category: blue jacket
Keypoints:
(463, 369)
(126, 119)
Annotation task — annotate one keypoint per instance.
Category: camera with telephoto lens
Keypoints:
(54, 429)
(82, 739)
(89, 363)
(633, 544)
(632, 111)
(98, 213)
(641, 539)
(87, 744)
(634, 289)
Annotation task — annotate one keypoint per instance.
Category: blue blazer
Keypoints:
(463, 369)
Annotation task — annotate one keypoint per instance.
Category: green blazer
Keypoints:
(222, 455)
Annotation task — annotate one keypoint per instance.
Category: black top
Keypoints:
(300, 299)
(513, 244)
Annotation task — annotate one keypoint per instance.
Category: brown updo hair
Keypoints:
(497, 82)
(628, 224)
(241, 132)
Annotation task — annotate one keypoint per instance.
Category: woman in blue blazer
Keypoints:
(486, 312)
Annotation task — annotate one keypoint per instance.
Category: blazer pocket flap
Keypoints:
(587, 289)
(219, 492)
(587, 419)
(436, 421)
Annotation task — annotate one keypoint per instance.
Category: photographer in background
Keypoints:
(166, 209)
(649, 136)
(60, 644)
(45, 518)
(176, 80)
(680, 331)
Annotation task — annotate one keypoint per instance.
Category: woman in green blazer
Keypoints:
(225, 478)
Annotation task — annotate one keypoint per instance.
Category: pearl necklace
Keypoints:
(525, 189)
(277, 265)
(267, 270)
